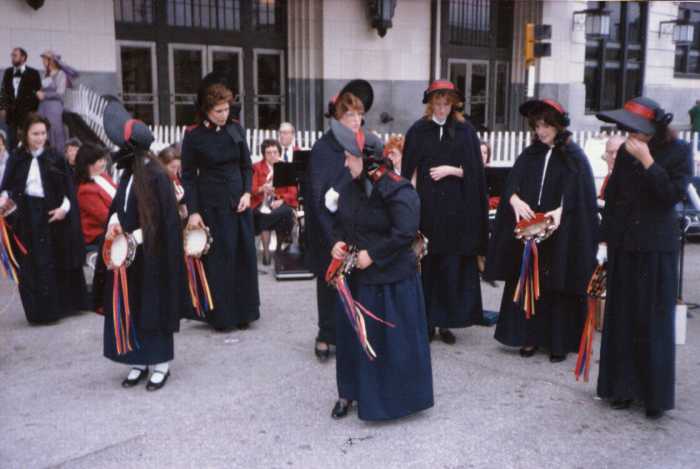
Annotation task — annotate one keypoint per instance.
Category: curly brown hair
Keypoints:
(347, 102)
(549, 116)
(215, 94)
(453, 100)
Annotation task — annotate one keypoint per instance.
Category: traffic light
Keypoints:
(534, 47)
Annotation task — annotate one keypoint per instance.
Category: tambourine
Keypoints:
(119, 251)
(420, 246)
(539, 228)
(342, 267)
(197, 241)
(597, 285)
(7, 209)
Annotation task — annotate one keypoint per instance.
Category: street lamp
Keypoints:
(596, 21)
(683, 30)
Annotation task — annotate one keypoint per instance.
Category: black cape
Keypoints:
(567, 258)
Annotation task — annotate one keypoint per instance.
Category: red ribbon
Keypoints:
(640, 110)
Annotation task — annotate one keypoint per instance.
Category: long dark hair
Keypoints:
(88, 154)
(143, 167)
(33, 118)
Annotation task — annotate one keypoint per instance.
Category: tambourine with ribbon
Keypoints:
(197, 243)
(118, 254)
(8, 261)
(596, 291)
(420, 246)
(532, 231)
(336, 276)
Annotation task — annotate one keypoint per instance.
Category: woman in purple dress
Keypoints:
(56, 79)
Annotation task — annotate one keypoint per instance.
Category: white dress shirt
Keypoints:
(16, 80)
(34, 186)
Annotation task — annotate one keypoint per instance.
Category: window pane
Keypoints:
(458, 75)
(207, 14)
(133, 11)
(269, 116)
(469, 22)
(137, 75)
(633, 85)
(225, 63)
(592, 86)
(634, 21)
(615, 20)
(501, 90)
(269, 74)
(611, 89)
(268, 15)
(477, 98)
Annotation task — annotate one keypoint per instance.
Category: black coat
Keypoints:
(57, 184)
(215, 172)
(639, 212)
(567, 258)
(326, 169)
(454, 211)
(157, 279)
(26, 101)
(384, 223)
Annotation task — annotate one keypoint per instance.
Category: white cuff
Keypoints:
(331, 200)
(114, 220)
(602, 255)
(138, 236)
(65, 205)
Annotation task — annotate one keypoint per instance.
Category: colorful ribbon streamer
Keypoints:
(8, 261)
(198, 286)
(527, 291)
(124, 333)
(585, 349)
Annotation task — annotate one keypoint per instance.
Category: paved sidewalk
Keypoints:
(259, 399)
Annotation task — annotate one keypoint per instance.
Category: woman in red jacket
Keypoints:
(95, 191)
(272, 207)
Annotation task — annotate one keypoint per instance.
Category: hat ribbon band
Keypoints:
(639, 110)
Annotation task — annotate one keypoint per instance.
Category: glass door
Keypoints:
(472, 78)
(228, 62)
(269, 88)
(138, 87)
(187, 67)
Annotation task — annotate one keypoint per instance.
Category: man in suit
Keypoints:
(286, 139)
(18, 98)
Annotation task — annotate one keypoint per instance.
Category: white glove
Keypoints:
(138, 236)
(331, 200)
(602, 255)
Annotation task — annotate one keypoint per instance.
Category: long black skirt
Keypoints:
(150, 348)
(638, 351)
(556, 326)
(48, 292)
(399, 381)
(452, 291)
(231, 268)
(280, 219)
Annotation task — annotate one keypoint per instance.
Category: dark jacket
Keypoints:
(639, 212)
(454, 211)
(157, 279)
(216, 167)
(384, 223)
(26, 101)
(326, 169)
(57, 184)
(567, 258)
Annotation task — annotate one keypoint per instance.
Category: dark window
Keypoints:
(133, 11)
(267, 15)
(208, 14)
(614, 64)
(688, 55)
(137, 82)
(269, 98)
(469, 22)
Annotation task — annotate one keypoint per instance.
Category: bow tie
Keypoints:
(18, 73)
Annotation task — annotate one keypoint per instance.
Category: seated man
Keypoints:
(273, 209)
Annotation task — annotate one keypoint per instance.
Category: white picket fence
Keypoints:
(505, 145)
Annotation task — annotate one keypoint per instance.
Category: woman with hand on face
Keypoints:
(217, 177)
(442, 157)
(47, 223)
(641, 230)
(378, 214)
(551, 176)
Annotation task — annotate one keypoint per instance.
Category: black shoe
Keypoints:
(557, 358)
(431, 334)
(654, 414)
(151, 386)
(527, 352)
(621, 404)
(130, 383)
(447, 336)
(322, 354)
(244, 326)
(340, 409)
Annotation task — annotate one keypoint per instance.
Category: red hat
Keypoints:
(536, 106)
(638, 115)
(442, 85)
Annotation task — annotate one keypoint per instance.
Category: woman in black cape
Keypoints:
(217, 176)
(551, 176)
(641, 229)
(145, 207)
(378, 213)
(442, 156)
(47, 224)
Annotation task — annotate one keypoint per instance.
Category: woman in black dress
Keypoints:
(217, 177)
(47, 223)
(640, 226)
(145, 207)
(442, 156)
(551, 176)
(378, 214)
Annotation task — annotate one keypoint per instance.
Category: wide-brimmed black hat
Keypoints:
(640, 114)
(122, 129)
(444, 86)
(359, 88)
(538, 106)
